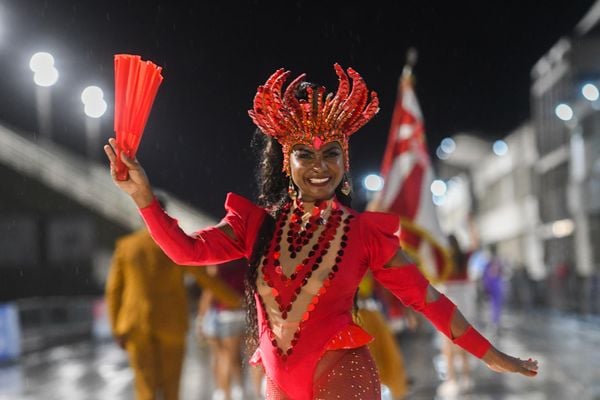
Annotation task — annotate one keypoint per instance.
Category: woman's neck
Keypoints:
(309, 205)
(311, 213)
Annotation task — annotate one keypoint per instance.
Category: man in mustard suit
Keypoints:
(148, 311)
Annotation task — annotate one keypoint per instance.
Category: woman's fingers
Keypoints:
(530, 367)
(113, 144)
(110, 150)
(505, 363)
(129, 163)
(526, 367)
(110, 153)
(527, 372)
(113, 173)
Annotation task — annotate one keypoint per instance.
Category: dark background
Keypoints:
(473, 73)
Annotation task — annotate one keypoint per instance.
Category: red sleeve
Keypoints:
(379, 235)
(245, 218)
(410, 286)
(210, 245)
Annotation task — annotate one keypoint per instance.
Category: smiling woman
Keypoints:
(307, 249)
(317, 172)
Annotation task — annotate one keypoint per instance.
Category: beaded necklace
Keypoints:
(301, 228)
(303, 224)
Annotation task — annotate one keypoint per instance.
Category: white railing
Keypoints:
(86, 182)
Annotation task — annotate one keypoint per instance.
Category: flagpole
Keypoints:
(407, 170)
(405, 77)
(411, 60)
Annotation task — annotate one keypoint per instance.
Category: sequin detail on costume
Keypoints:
(352, 376)
(350, 337)
(313, 237)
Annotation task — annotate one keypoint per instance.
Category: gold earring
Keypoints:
(292, 190)
(346, 188)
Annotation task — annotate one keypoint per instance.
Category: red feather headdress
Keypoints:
(316, 120)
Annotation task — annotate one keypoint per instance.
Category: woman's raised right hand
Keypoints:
(136, 185)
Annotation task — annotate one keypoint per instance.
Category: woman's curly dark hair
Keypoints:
(272, 184)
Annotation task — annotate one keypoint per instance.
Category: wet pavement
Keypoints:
(566, 347)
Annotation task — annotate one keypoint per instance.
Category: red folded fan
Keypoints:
(136, 85)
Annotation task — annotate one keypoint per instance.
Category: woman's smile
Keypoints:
(317, 173)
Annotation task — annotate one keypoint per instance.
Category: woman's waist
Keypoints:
(316, 326)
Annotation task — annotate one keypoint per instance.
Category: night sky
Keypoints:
(473, 72)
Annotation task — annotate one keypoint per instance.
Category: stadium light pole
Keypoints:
(45, 75)
(94, 107)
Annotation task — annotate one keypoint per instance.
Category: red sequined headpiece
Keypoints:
(317, 120)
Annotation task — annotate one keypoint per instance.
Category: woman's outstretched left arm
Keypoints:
(402, 277)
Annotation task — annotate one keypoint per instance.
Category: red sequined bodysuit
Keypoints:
(306, 283)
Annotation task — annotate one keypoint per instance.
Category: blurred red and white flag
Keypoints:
(407, 173)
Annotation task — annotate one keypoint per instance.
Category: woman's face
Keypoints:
(317, 173)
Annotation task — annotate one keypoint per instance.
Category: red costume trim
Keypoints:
(473, 342)
(440, 313)
(351, 337)
(410, 286)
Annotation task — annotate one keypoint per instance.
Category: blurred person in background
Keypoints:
(223, 326)
(462, 291)
(521, 287)
(493, 284)
(148, 311)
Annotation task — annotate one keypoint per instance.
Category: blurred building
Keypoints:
(568, 168)
(491, 197)
(457, 207)
(507, 206)
(538, 198)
